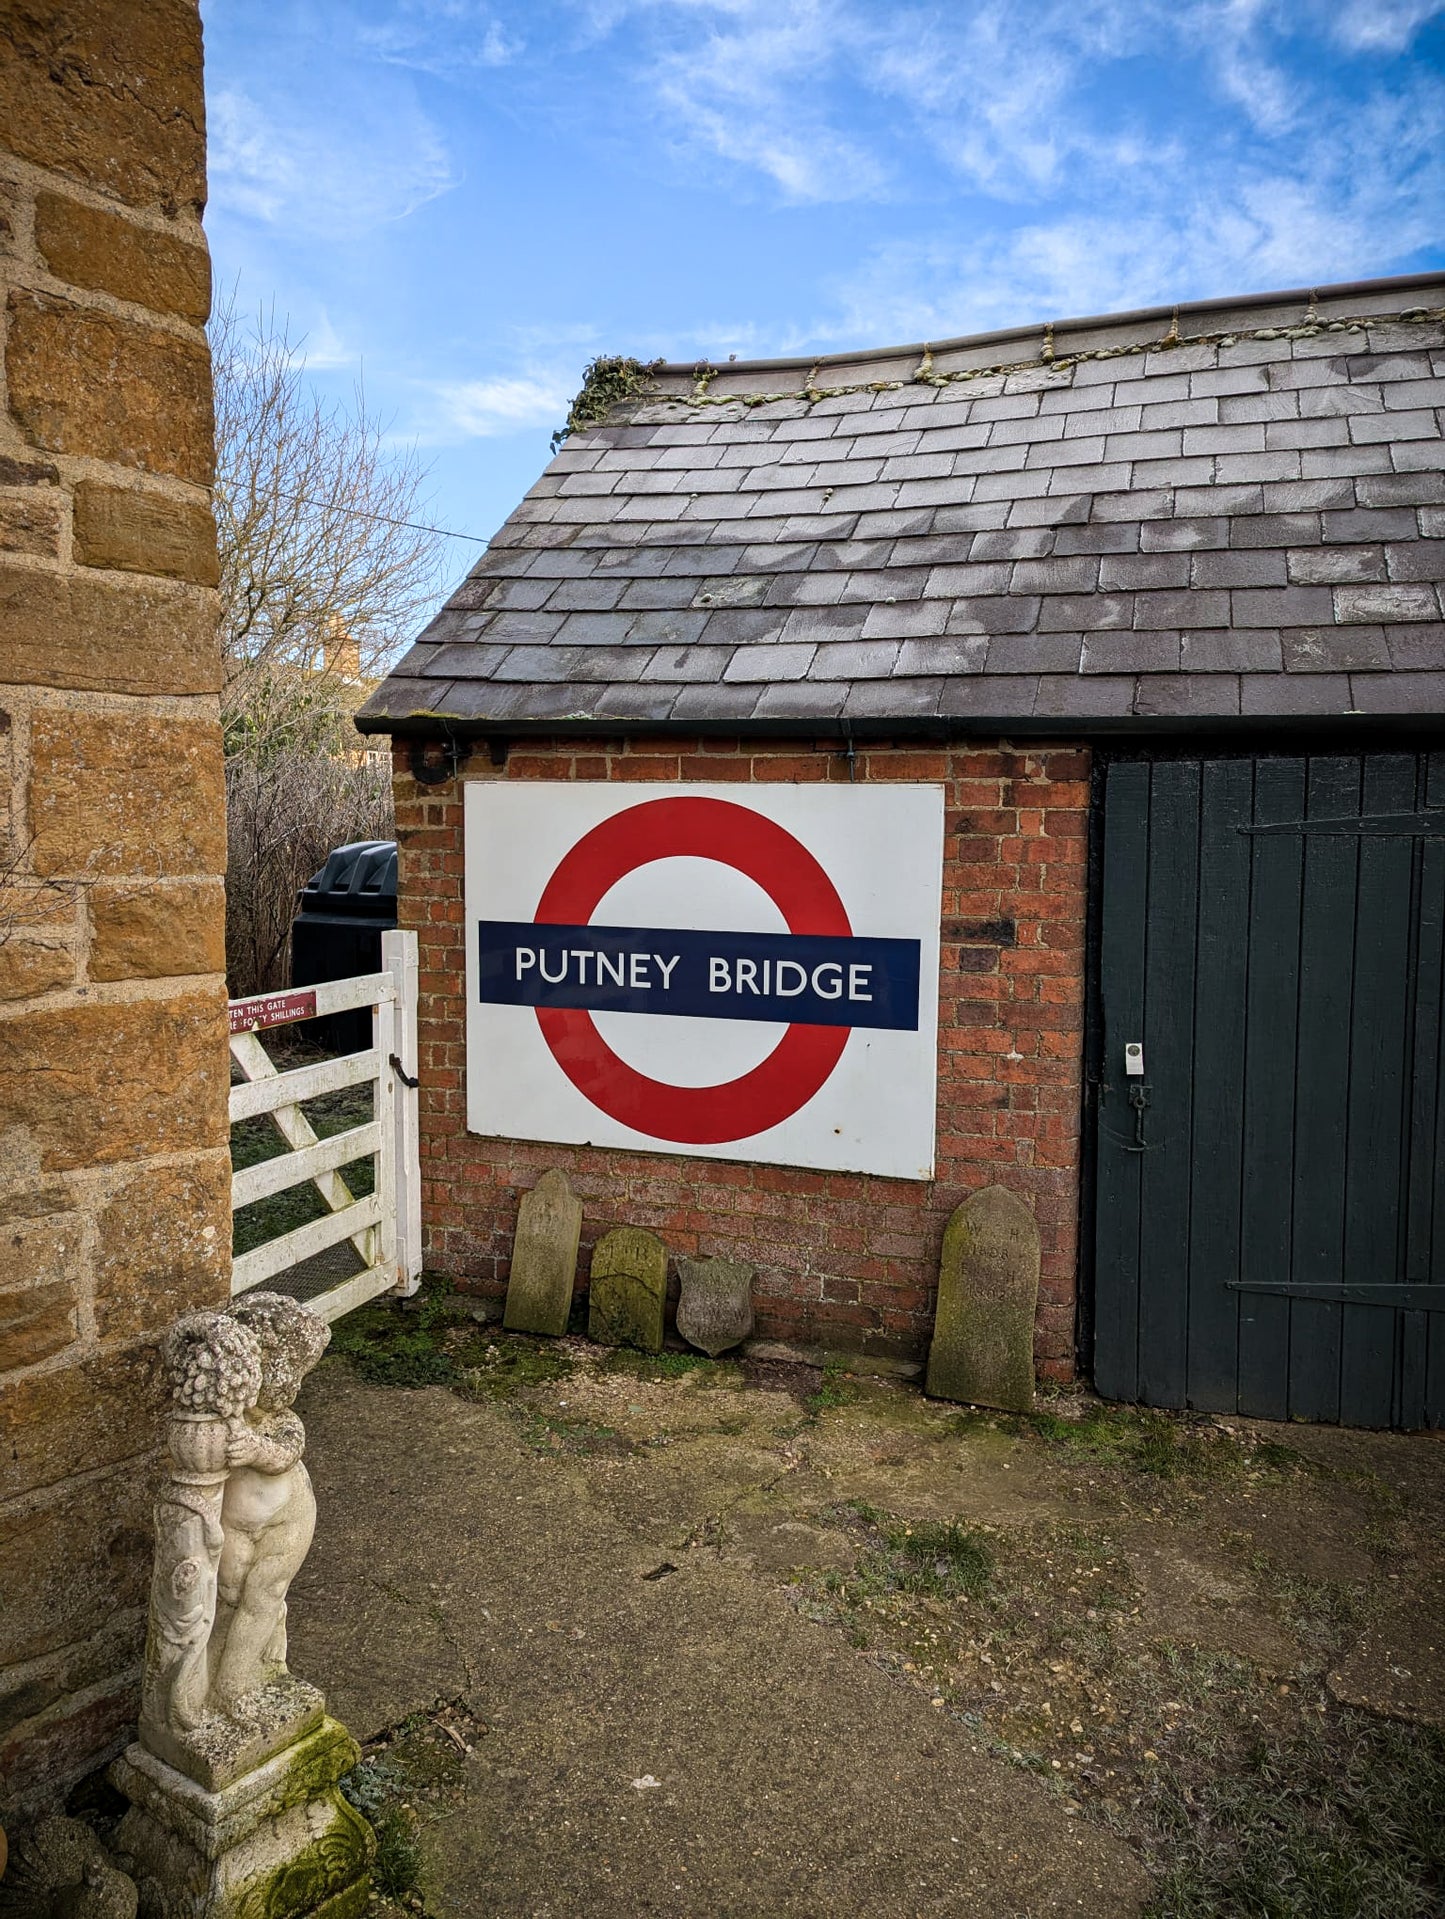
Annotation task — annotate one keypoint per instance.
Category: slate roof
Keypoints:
(1199, 514)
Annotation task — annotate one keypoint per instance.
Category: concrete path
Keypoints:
(793, 1776)
(688, 1626)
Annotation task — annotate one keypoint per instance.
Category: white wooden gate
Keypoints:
(384, 1226)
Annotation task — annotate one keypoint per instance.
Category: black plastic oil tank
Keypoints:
(342, 913)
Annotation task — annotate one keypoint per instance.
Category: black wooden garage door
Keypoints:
(1269, 1231)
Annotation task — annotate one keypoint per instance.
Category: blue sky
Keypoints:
(464, 201)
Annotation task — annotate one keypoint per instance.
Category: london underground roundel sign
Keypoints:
(744, 972)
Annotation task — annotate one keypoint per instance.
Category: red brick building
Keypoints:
(1112, 585)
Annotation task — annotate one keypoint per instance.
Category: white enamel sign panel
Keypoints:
(742, 972)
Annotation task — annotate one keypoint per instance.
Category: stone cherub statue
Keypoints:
(234, 1521)
(268, 1510)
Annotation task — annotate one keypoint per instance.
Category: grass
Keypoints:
(391, 1346)
(1343, 1821)
(928, 1559)
(396, 1869)
(254, 1140)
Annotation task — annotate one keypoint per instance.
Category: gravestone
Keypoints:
(628, 1289)
(988, 1288)
(544, 1257)
(715, 1304)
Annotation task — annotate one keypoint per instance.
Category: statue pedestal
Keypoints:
(275, 1842)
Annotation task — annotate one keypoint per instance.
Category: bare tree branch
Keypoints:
(325, 575)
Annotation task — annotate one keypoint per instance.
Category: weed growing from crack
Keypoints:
(396, 1869)
(410, 1775)
(834, 1389)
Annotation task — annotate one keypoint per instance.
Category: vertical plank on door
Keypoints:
(1168, 1071)
(1226, 802)
(1379, 1083)
(1267, 1130)
(1317, 1198)
(1124, 918)
(1425, 1251)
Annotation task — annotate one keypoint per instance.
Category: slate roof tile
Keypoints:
(1128, 571)
(1213, 651)
(1085, 612)
(1312, 649)
(1186, 695)
(1000, 613)
(1037, 652)
(1253, 522)
(1277, 694)
(1398, 692)
(1130, 653)
(1364, 603)
(1083, 696)
(1416, 649)
(1259, 566)
(1412, 456)
(1335, 565)
(1183, 536)
(1322, 463)
(1417, 560)
(908, 620)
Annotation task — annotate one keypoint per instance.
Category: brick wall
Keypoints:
(845, 1260)
(114, 1176)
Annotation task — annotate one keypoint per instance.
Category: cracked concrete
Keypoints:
(626, 1581)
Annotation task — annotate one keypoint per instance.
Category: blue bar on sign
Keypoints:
(816, 980)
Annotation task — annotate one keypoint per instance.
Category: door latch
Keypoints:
(1138, 1099)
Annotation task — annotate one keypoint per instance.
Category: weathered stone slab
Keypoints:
(628, 1289)
(544, 1257)
(988, 1288)
(715, 1306)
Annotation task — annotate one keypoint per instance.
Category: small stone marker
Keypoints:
(715, 1306)
(628, 1289)
(988, 1288)
(544, 1257)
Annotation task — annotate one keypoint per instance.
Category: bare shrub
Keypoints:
(284, 815)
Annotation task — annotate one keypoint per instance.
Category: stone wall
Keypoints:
(114, 1174)
(846, 1260)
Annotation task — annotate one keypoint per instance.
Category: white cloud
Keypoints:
(1381, 26)
(484, 409)
(751, 92)
(1357, 200)
(809, 93)
(440, 37)
(341, 163)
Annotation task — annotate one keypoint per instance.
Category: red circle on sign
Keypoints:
(736, 836)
